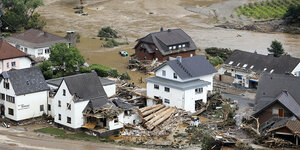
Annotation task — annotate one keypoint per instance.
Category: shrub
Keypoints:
(215, 61)
(108, 32)
(125, 76)
(224, 53)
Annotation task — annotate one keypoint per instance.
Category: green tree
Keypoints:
(215, 61)
(108, 32)
(276, 48)
(19, 12)
(36, 22)
(293, 14)
(65, 58)
(46, 69)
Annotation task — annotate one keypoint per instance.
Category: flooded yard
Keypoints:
(134, 19)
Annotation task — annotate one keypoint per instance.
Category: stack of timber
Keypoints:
(155, 115)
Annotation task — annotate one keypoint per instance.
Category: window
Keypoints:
(167, 89)
(175, 75)
(49, 107)
(265, 69)
(238, 76)
(116, 119)
(167, 101)
(183, 45)
(10, 111)
(64, 92)
(199, 90)
(25, 50)
(245, 65)
(69, 120)
(272, 71)
(238, 64)
(2, 96)
(164, 72)
(127, 112)
(156, 86)
(59, 103)
(41, 107)
(10, 99)
(170, 48)
(59, 116)
(251, 67)
(7, 65)
(47, 51)
(231, 62)
(179, 46)
(68, 106)
(174, 47)
(6, 84)
(40, 51)
(21, 48)
(156, 97)
(13, 64)
(18, 46)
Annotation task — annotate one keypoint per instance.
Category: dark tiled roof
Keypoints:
(25, 81)
(291, 123)
(190, 67)
(280, 65)
(285, 99)
(7, 51)
(105, 81)
(56, 82)
(36, 39)
(121, 104)
(86, 87)
(163, 39)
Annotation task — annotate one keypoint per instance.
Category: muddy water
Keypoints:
(136, 18)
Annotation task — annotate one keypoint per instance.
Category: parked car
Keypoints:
(123, 53)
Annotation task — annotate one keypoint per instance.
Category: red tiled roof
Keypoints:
(8, 51)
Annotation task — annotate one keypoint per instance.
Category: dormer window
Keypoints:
(27, 82)
(272, 71)
(164, 73)
(183, 45)
(251, 67)
(265, 69)
(230, 63)
(174, 47)
(179, 46)
(170, 48)
(245, 65)
(175, 75)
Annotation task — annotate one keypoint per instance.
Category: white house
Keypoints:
(182, 83)
(12, 58)
(246, 67)
(81, 99)
(35, 42)
(23, 93)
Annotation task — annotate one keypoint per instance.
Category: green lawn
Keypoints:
(266, 10)
(61, 134)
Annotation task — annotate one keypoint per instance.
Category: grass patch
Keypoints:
(266, 10)
(61, 134)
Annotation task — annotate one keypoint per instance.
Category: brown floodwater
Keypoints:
(134, 19)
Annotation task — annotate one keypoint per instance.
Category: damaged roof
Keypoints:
(122, 104)
(262, 63)
(34, 38)
(291, 123)
(26, 81)
(190, 67)
(164, 39)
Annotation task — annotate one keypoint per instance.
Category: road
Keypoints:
(12, 139)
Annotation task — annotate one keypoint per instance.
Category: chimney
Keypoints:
(169, 30)
(71, 37)
(161, 29)
(179, 58)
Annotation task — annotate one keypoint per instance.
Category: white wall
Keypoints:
(75, 113)
(24, 62)
(296, 71)
(133, 118)
(110, 90)
(169, 73)
(33, 51)
(120, 124)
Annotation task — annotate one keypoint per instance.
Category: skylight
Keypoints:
(245, 65)
(272, 71)
(230, 63)
(251, 67)
(238, 64)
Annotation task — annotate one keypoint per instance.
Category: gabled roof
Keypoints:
(291, 123)
(171, 37)
(190, 67)
(35, 39)
(25, 81)
(279, 65)
(7, 51)
(285, 99)
(86, 87)
(122, 104)
(57, 81)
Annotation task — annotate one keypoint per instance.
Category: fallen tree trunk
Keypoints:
(157, 117)
(165, 117)
(154, 114)
(153, 110)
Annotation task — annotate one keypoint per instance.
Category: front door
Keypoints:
(280, 113)
(2, 109)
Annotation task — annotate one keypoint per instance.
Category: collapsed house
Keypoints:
(164, 44)
(244, 68)
(182, 83)
(80, 101)
(278, 106)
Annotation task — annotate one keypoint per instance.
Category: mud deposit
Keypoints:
(136, 18)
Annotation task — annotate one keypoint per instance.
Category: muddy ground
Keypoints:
(134, 19)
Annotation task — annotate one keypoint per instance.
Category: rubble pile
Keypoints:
(142, 66)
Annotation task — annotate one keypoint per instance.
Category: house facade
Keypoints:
(12, 58)
(182, 82)
(24, 94)
(164, 44)
(278, 105)
(35, 42)
(245, 68)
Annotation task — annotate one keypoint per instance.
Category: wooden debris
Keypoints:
(158, 107)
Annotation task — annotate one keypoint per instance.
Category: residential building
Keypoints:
(24, 93)
(12, 58)
(245, 67)
(278, 105)
(164, 44)
(35, 42)
(182, 82)
(81, 101)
